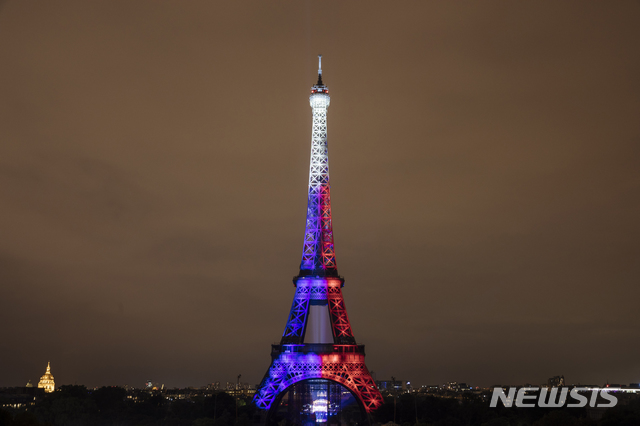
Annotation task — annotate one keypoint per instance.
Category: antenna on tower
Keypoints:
(320, 70)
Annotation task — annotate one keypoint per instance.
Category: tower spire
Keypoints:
(319, 71)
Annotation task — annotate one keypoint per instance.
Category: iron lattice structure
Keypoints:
(318, 284)
(318, 255)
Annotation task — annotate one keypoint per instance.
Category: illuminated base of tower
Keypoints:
(342, 364)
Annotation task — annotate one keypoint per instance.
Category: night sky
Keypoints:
(485, 170)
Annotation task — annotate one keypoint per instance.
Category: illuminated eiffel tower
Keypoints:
(318, 342)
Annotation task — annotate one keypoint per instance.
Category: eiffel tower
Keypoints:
(318, 342)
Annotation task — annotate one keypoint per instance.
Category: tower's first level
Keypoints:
(343, 364)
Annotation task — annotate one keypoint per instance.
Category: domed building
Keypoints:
(46, 381)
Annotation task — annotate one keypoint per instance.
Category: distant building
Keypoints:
(556, 381)
(46, 382)
(389, 385)
(456, 387)
(29, 384)
(243, 389)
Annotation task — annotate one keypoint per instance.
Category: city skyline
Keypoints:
(484, 169)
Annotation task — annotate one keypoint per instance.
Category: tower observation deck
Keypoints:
(318, 360)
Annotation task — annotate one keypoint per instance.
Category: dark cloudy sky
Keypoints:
(485, 186)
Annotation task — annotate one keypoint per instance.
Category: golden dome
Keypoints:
(46, 381)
